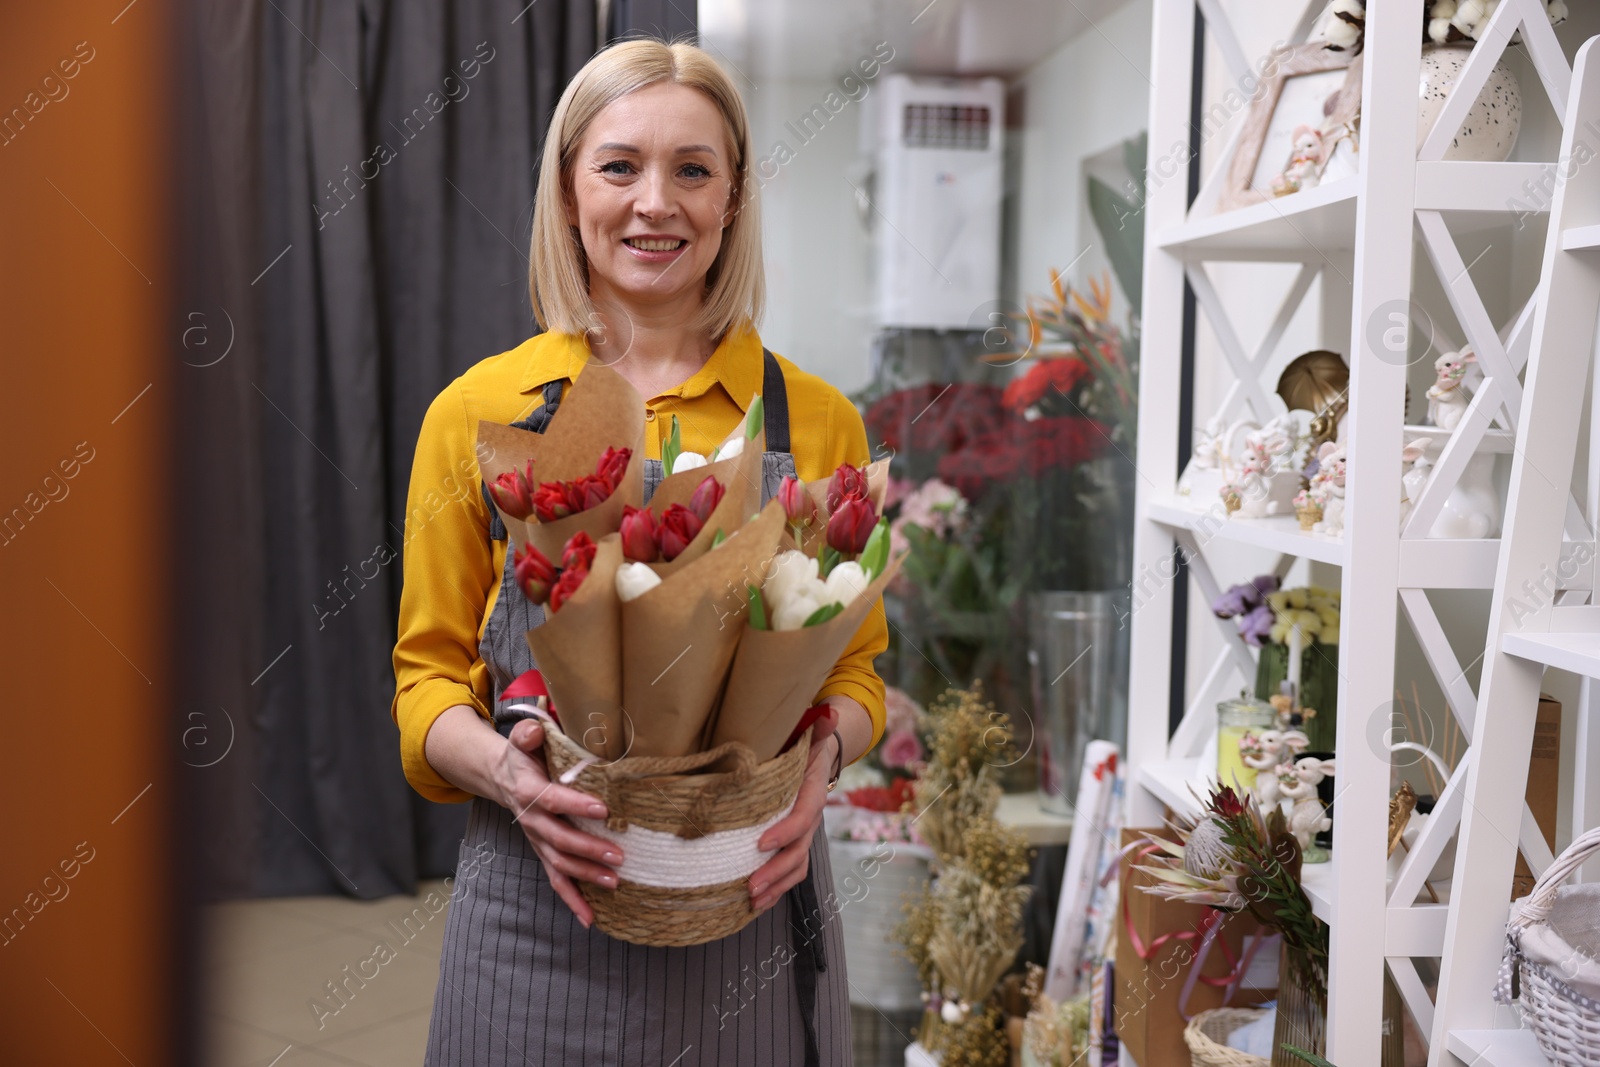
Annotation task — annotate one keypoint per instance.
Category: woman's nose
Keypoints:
(655, 199)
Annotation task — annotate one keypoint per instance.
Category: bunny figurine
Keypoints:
(1307, 819)
(1328, 484)
(1415, 479)
(1447, 397)
(1306, 159)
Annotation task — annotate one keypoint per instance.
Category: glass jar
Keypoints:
(1235, 719)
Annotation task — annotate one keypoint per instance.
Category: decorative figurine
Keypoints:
(1307, 156)
(1415, 479)
(1266, 482)
(1308, 509)
(1328, 484)
(1298, 784)
(1447, 397)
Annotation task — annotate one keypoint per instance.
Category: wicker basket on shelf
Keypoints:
(1207, 1033)
(1552, 960)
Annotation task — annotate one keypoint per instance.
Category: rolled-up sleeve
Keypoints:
(448, 574)
(854, 675)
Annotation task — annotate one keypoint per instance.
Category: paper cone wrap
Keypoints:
(579, 651)
(681, 636)
(777, 673)
(601, 410)
(741, 498)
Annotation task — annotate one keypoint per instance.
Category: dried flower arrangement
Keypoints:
(963, 932)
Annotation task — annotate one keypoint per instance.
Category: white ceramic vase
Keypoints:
(1490, 130)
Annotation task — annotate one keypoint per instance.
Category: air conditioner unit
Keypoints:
(938, 190)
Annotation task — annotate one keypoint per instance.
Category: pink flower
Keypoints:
(901, 749)
(902, 711)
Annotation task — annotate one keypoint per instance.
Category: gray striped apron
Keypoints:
(521, 982)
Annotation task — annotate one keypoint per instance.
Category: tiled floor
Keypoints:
(268, 965)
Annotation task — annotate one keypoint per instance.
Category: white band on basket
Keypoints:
(666, 861)
(569, 775)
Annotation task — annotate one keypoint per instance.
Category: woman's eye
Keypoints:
(616, 166)
(695, 170)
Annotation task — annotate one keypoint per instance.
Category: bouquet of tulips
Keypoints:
(698, 617)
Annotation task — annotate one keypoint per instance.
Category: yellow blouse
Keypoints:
(452, 569)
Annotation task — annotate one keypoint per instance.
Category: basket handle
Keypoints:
(1535, 909)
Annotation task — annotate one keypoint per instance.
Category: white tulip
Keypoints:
(731, 448)
(688, 461)
(845, 583)
(634, 580)
(790, 570)
(792, 613)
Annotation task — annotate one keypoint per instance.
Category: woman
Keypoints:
(646, 255)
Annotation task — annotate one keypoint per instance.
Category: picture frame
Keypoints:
(1309, 86)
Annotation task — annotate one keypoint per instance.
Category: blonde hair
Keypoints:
(558, 275)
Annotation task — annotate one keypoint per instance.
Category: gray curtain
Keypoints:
(364, 175)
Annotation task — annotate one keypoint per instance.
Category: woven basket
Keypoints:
(1552, 960)
(1207, 1032)
(687, 827)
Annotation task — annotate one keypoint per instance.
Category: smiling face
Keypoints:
(652, 189)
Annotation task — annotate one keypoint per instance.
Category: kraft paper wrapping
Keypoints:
(601, 410)
(579, 652)
(681, 636)
(777, 673)
(741, 483)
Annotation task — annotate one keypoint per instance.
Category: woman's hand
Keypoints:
(539, 806)
(792, 834)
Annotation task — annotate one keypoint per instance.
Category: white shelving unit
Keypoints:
(1528, 633)
(1364, 230)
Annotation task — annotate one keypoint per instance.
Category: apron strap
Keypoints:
(810, 959)
(537, 421)
(775, 403)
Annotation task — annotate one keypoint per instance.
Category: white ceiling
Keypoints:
(802, 40)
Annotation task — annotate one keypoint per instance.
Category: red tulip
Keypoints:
(850, 525)
(676, 528)
(590, 491)
(707, 495)
(534, 573)
(612, 465)
(513, 492)
(639, 535)
(550, 502)
(579, 551)
(571, 578)
(798, 506)
(846, 482)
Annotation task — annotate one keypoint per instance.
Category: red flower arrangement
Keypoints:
(542, 583)
(936, 417)
(890, 798)
(646, 539)
(1060, 375)
(518, 497)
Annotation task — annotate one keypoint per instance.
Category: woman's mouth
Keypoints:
(655, 248)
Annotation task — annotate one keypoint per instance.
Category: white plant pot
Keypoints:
(1490, 130)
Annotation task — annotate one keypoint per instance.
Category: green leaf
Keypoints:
(718, 537)
(1310, 1057)
(754, 420)
(758, 609)
(823, 614)
(875, 555)
(674, 446)
(1121, 225)
(826, 560)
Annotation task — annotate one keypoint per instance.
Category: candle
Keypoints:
(1296, 648)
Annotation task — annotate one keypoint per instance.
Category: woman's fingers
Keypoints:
(803, 817)
(564, 837)
(569, 893)
(779, 874)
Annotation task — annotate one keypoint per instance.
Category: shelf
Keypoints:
(1496, 1048)
(1024, 812)
(1308, 222)
(1493, 440)
(1580, 238)
(1578, 653)
(1281, 533)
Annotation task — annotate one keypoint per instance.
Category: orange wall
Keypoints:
(87, 730)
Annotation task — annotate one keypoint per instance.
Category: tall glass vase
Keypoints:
(1319, 685)
(1078, 665)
